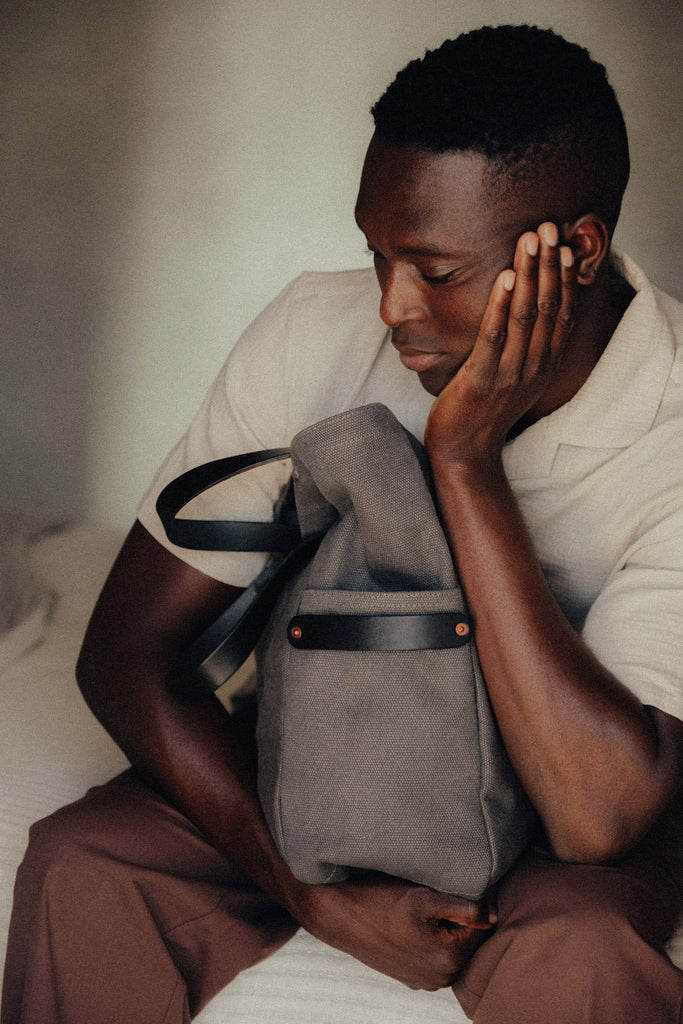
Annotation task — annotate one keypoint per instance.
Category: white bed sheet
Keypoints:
(52, 750)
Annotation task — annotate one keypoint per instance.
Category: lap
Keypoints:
(122, 869)
(581, 935)
(128, 821)
(546, 908)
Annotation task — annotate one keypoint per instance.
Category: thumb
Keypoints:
(479, 914)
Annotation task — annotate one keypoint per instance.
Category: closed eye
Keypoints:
(448, 277)
(451, 276)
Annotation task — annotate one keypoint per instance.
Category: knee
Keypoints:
(580, 933)
(58, 857)
(47, 839)
(588, 905)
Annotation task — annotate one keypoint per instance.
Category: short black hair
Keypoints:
(534, 104)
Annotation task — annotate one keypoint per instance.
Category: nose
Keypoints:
(402, 299)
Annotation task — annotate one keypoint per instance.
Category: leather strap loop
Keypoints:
(437, 631)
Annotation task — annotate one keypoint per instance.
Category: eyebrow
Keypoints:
(434, 250)
(426, 250)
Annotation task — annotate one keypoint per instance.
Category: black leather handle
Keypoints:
(216, 534)
(227, 643)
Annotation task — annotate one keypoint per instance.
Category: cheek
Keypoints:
(459, 313)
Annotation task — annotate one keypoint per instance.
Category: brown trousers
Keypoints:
(125, 915)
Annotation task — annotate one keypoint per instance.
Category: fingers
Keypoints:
(548, 297)
(493, 331)
(480, 916)
(533, 338)
(556, 294)
(565, 318)
(529, 316)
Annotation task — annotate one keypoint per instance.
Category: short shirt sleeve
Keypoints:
(243, 411)
(306, 356)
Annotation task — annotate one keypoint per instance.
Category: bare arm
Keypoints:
(597, 766)
(204, 761)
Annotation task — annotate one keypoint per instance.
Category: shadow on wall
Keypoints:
(66, 117)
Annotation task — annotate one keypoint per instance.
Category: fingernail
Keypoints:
(532, 244)
(566, 256)
(509, 278)
(550, 234)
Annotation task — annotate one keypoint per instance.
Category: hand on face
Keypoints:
(520, 343)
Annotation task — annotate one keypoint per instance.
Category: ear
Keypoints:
(589, 240)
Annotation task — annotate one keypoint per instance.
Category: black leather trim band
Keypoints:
(379, 632)
(219, 535)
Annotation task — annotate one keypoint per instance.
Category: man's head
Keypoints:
(482, 140)
(536, 106)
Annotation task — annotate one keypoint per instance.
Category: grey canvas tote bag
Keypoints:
(378, 747)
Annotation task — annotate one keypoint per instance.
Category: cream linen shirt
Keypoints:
(599, 482)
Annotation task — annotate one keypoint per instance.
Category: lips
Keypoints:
(417, 359)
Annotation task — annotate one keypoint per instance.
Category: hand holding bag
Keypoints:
(378, 748)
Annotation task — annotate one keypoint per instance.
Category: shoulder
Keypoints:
(323, 327)
(313, 308)
(345, 293)
(318, 284)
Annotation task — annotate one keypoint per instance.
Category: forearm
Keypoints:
(592, 760)
(204, 760)
(200, 757)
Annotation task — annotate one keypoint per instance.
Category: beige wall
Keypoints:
(168, 166)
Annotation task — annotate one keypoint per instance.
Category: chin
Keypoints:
(434, 382)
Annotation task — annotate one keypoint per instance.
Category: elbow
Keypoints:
(608, 821)
(612, 832)
(102, 672)
(603, 845)
(597, 845)
(90, 681)
(118, 678)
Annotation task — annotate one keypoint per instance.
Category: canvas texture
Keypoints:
(385, 760)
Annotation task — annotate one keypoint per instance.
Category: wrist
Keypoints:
(315, 907)
(466, 469)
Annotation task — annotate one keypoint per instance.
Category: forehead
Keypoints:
(436, 197)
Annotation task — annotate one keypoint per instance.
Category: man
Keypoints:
(545, 376)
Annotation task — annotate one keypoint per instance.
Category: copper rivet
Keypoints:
(295, 632)
(462, 629)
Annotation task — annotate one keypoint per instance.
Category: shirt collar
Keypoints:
(620, 399)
